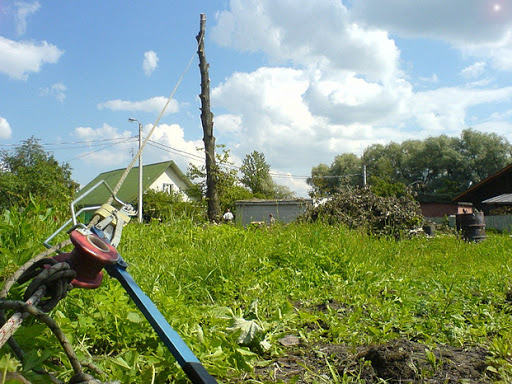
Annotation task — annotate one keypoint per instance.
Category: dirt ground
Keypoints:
(399, 361)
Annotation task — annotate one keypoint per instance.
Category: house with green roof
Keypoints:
(164, 176)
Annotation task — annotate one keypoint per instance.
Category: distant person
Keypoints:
(228, 216)
(271, 219)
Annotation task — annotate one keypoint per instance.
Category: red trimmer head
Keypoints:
(90, 256)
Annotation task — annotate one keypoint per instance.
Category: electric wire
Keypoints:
(97, 150)
(77, 142)
(189, 155)
(177, 151)
(102, 143)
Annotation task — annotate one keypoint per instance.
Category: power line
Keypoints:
(98, 144)
(178, 152)
(97, 150)
(116, 141)
(122, 139)
(232, 166)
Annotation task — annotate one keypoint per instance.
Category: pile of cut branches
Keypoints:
(361, 208)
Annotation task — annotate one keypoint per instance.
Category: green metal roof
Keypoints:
(129, 190)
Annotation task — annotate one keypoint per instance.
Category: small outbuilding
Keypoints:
(440, 210)
(499, 184)
(268, 211)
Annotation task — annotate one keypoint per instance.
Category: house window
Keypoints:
(167, 187)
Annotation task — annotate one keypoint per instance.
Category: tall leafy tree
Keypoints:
(29, 170)
(484, 154)
(345, 170)
(384, 161)
(320, 181)
(438, 167)
(256, 174)
(228, 184)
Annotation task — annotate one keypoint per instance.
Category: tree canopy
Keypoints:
(228, 184)
(253, 180)
(256, 173)
(256, 176)
(345, 170)
(29, 170)
(438, 167)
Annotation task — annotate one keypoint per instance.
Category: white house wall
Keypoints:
(170, 177)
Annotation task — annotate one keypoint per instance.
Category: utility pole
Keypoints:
(141, 192)
(364, 175)
(212, 194)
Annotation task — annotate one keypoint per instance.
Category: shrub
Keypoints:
(164, 206)
(361, 208)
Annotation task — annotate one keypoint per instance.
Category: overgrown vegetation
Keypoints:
(253, 182)
(305, 303)
(27, 171)
(170, 206)
(360, 208)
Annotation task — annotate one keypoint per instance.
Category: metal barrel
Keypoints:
(429, 229)
(471, 226)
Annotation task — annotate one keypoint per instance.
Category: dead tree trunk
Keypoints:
(212, 195)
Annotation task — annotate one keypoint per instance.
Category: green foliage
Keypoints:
(346, 170)
(256, 176)
(228, 185)
(442, 166)
(234, 294)
(22, 231)
(29, 170)
(256, 173)
(387, 188)
(229, 196)
(438, 167)
(166, 206)
(485, 153)
(361, 208)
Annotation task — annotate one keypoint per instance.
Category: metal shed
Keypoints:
(284, 210)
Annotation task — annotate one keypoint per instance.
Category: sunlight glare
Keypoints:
(496, 7)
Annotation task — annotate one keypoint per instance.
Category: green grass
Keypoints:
(346, 287)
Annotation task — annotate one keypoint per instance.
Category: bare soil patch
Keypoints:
(398, 361)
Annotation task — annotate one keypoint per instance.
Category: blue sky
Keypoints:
(299, 80)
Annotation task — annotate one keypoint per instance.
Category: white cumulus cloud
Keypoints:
(110, 147)
(269, 113)
(167, 143)
(5, 129)
(150, 62)
(309, 33)
(475, 27)
(19, 58)
(457, 21)
(337, 84)
(153, 105)
(473, 71)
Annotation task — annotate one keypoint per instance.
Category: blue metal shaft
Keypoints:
(195, 371)
(169, 336)
(172, 340)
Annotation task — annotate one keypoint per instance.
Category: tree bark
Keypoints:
(212, 195)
